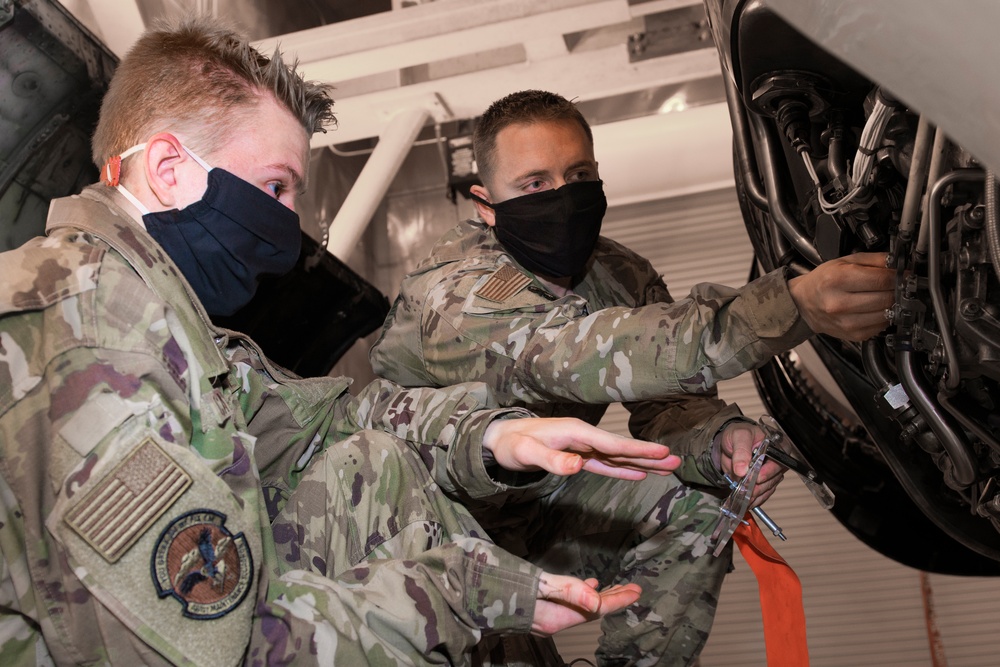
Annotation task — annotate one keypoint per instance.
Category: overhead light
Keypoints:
(678, 102)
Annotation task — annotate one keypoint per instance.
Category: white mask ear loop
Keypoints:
(121, 188)
(196, 158)
(139, 147)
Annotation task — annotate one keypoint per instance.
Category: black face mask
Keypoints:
(554, 232)
(225, 241)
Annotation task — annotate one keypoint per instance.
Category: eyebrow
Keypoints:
(537, 173)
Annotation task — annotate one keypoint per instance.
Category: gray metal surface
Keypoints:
(938, 57)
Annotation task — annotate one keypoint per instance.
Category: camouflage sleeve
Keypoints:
(102, 454)
(534, 347)
(446, 427)
(429, 610)
(687, 424)
(295, 418)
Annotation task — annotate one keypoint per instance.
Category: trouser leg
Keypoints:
(427, 610)
(408, 563)
(655, 533)
(510, 526)
(366, 497)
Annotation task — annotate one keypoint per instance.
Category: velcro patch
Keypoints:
(126, 503)
(503, 284)
(201, 564)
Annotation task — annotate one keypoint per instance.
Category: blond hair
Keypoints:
(201, 78)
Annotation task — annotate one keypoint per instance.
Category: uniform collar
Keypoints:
(99, 210)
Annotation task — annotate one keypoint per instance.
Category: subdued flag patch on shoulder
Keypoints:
(503, 284)
(126, 503)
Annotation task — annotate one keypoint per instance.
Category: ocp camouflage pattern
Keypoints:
(106, 356)
(620, 337)
(463, 315)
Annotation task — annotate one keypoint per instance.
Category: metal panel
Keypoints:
(939, 57)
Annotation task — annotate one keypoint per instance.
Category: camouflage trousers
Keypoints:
(655, 533)
(424, 583)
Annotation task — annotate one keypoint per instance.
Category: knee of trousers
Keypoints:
(391, 501)
(373, 470)
(678, 544)
(357, 495)
(683, 510)
(653, 505)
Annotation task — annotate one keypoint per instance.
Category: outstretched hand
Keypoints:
(732, 452)
(563, 602)
(565, 446)
(846, 297)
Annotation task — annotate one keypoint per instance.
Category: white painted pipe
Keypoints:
(374, 180)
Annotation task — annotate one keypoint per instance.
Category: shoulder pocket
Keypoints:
(503, 290)
(45, 271)
(165, 546)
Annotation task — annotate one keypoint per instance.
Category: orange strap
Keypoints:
(780, 598)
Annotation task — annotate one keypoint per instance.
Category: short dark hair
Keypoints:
(523, 107)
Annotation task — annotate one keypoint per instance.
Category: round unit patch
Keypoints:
(199, 562)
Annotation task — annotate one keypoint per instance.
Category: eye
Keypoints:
(534, 186)
(276, 189)
(580, 175)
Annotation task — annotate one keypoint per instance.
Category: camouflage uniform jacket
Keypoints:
(130, 426)
(470, 312)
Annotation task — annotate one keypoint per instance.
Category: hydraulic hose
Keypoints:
(744, 144)
(992, 220)
(775, 194)
(934, 232)
(917, 176)
(964, 468)
(938, 149)
(836, 159)
(875, 364)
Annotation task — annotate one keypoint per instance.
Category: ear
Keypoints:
(162, 160)
(485, 212)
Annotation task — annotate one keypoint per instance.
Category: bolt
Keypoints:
(974, 216)
(971, 309)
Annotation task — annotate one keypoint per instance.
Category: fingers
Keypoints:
(618, 597)
(737, 444)
(870, 274)
(570, 591)
(771, 475)
(846, 297)
(744, 438)
(580, 436)
(879, 277)
(567, 601)
(564, 446)
(771, 472)
(554, 461)
(876, 259)
(597, 467)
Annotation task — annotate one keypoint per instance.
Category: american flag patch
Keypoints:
(503, 284)
(113, 515)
